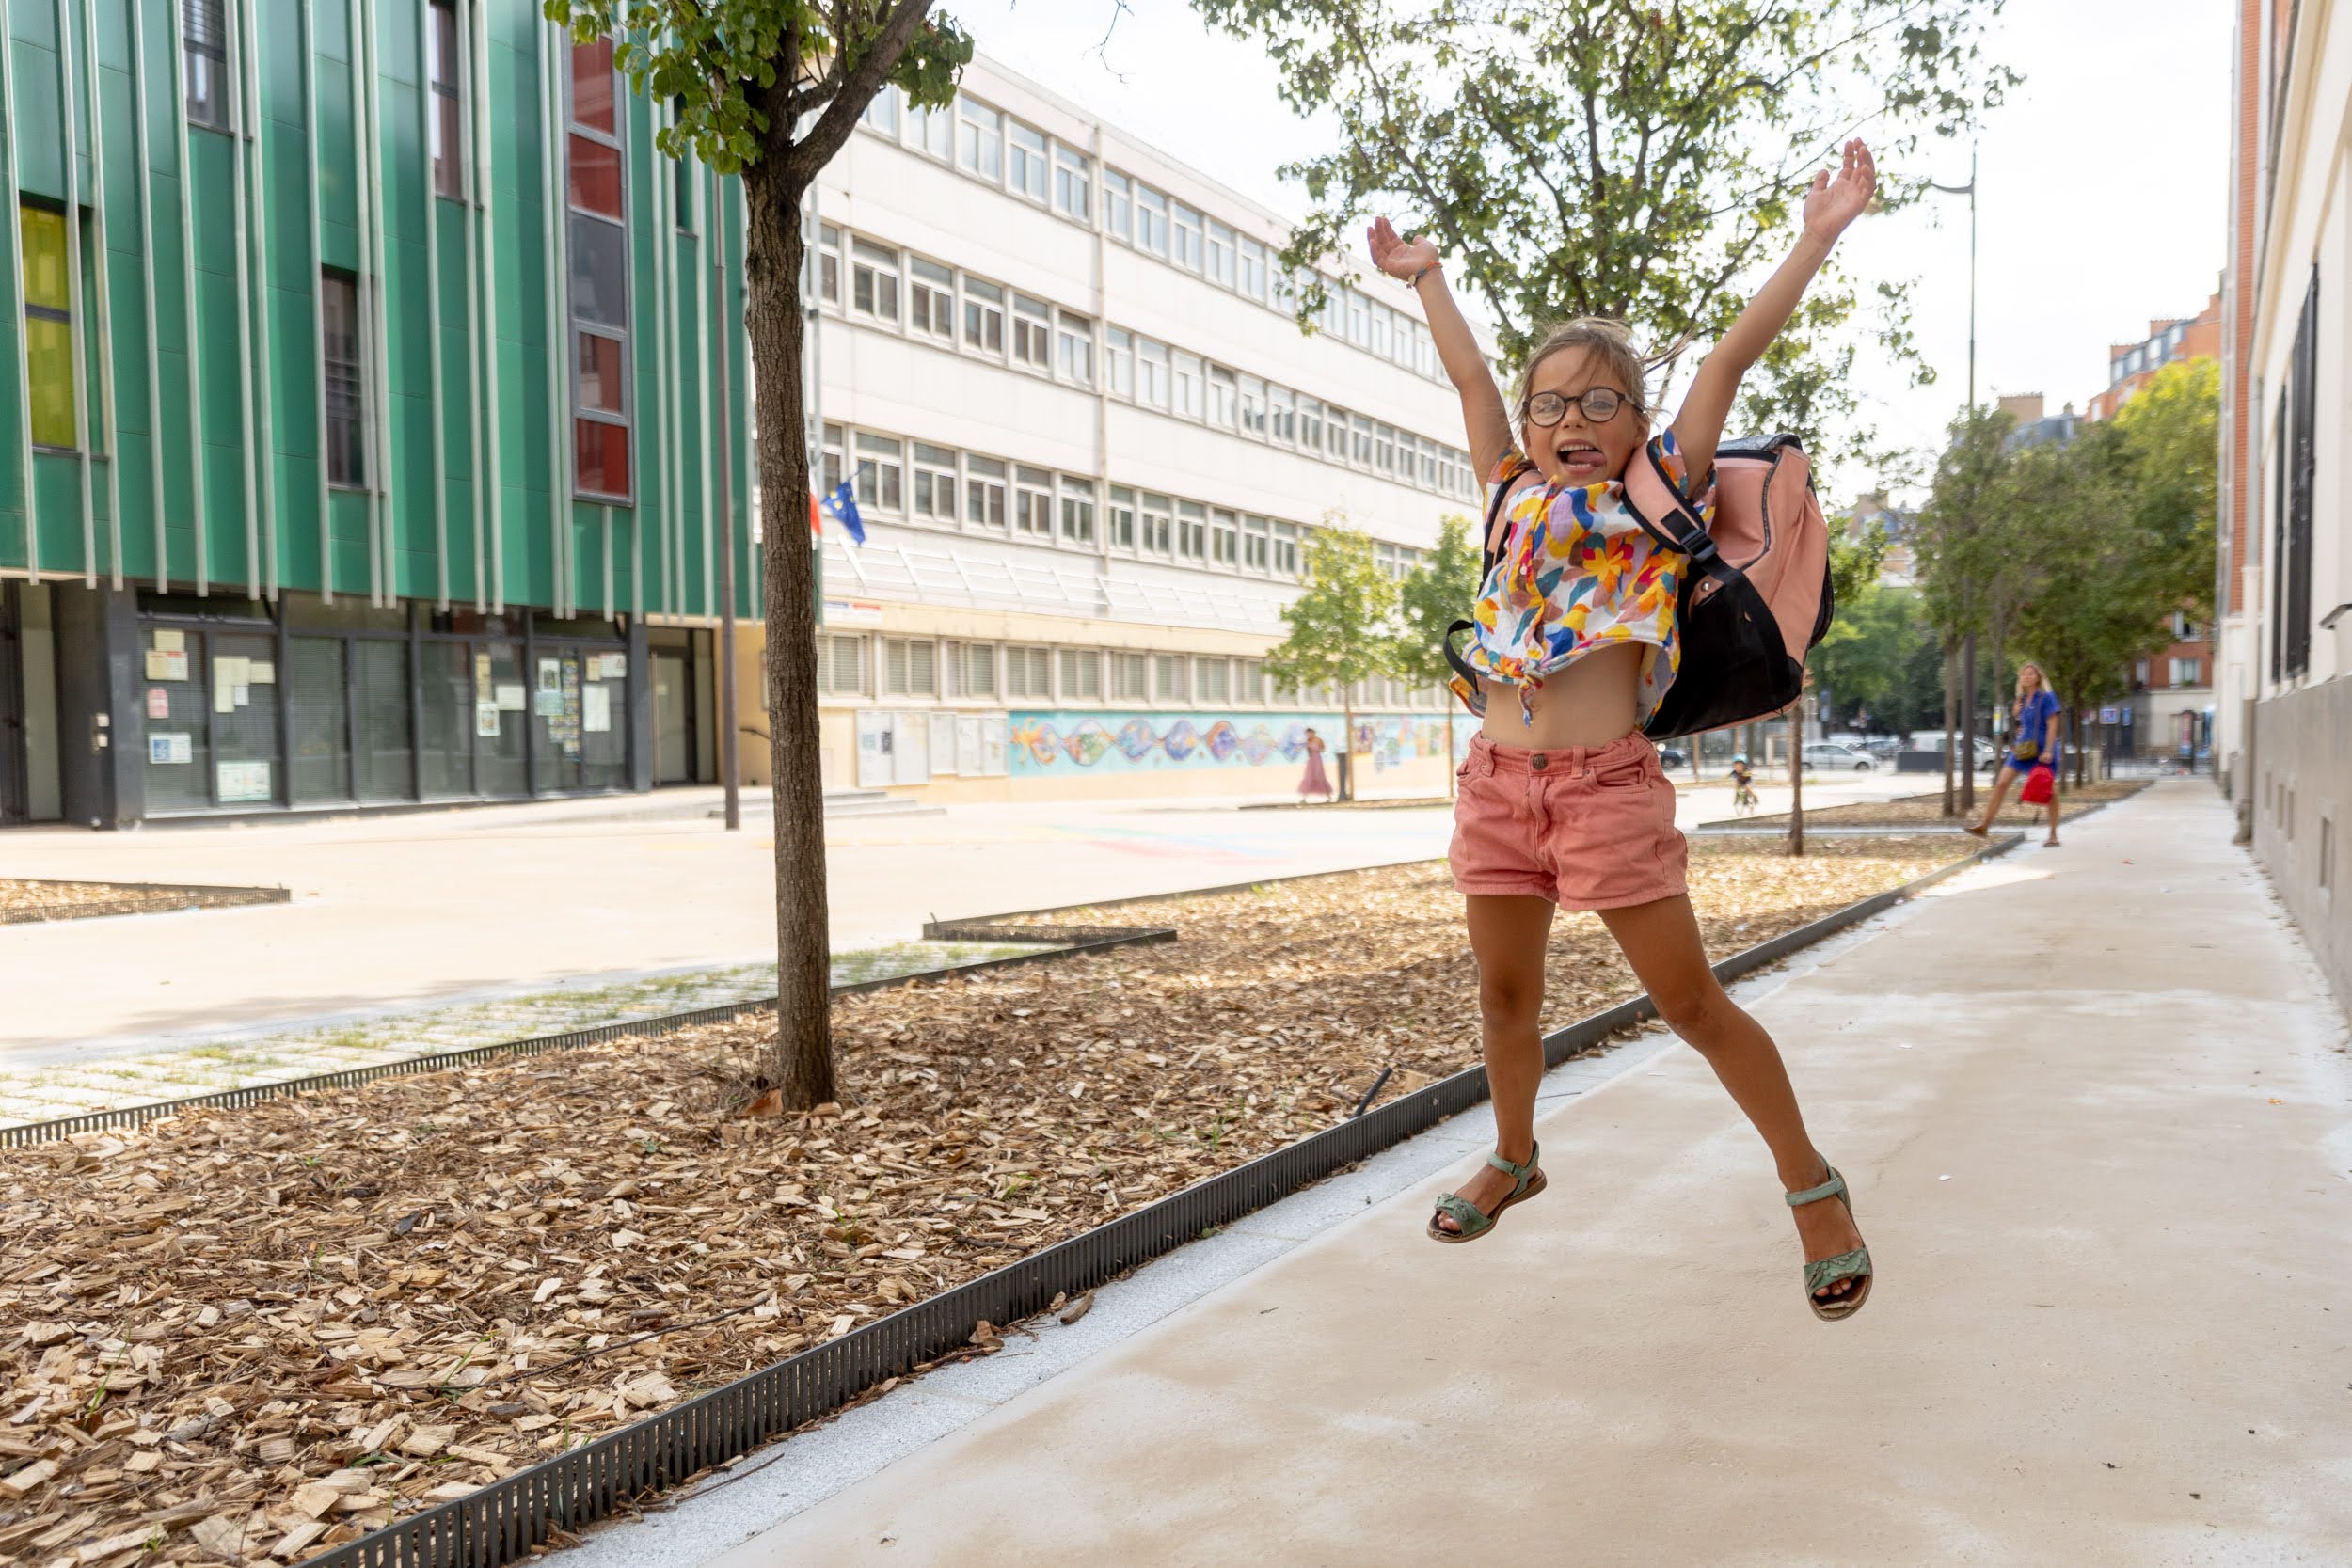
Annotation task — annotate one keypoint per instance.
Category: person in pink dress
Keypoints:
(1315, 781)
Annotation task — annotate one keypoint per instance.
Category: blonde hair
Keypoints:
(2041, 681)
(1603, 337)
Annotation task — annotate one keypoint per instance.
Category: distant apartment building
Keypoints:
(1898, 566)
(2285, 555)
(2132, 366)
(2034, 427)
(1089, 446)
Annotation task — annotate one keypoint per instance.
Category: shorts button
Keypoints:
(1537, 762)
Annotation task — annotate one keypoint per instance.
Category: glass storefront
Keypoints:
(349, 703)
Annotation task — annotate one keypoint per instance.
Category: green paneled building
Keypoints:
(356, 436)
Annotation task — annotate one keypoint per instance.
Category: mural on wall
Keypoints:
(1045, 743)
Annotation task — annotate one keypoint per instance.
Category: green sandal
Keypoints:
(1846, 1265)
(1465, 1213)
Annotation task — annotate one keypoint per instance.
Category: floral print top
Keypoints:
(1576, 572)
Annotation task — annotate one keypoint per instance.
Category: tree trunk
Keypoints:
(1968, 725)
(803, 1068)
(1951, 655)
(1346, 781)
(1796, 778)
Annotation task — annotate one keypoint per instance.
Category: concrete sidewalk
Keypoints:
(2100, 1130)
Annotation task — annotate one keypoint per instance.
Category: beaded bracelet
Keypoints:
(1414, 282)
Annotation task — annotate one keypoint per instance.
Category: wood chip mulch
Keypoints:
(1927, 811)
(244, 1333)
(28, 900)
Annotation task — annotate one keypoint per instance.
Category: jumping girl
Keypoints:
(2034, 744)
(1562, 801)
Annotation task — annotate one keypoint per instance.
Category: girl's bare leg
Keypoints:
(1662, 941)
(1508, 934)
(1993, 807)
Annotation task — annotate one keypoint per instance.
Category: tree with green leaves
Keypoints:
(2172, 431)
(1612, 158)
(768, 91)
(1438, 591)
(1956, 547)
(1342, 627)
(1882, 656)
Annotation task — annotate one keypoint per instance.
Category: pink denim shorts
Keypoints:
(1587, 827)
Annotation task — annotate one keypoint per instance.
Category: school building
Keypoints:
(2284, 713)
(368, 416)
(1088, 443)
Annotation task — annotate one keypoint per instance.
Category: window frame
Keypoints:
(577, 131)
(977, 311)
(223, 62)
(1077, 510)
(1073, 348)
(450, 92)
(1033, 509)
(1032, 320)
(1119, 363)
(928, 467)
(354, 446)
(1029, 170)
(987, 488)
(866, 262)
(1119, 203)
(1186, 239)
(986, 143)
(1072, 170)
(1152, 222)
(928, 291)
(1120, 518)
(884, 458)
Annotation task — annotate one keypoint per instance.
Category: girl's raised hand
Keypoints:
(1397, 257)
(1830, 205)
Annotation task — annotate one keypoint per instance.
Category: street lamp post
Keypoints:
(1968, 643)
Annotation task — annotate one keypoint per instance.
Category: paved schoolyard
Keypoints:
(2097, 1112)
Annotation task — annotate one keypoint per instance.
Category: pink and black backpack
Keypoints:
(1756, 597)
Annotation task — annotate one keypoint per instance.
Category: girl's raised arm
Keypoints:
(1830, 205)
(1484, 419)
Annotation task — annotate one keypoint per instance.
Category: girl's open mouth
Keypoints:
(1582, 459)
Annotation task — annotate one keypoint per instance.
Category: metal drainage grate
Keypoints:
(506, 1519)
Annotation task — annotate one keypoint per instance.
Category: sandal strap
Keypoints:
(1834, 1187)
(1521, 1174)
(1464, 1213)
(1829, 1271)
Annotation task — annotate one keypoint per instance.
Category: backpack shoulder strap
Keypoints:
(1664, 512)
(1489, 546)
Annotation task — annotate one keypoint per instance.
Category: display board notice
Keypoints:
(241, 781)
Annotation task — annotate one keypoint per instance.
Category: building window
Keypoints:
(984, 317)
(2188, 672)
(1029, 673)
(1360, 448)
(1167, 677)
(1220, 254)
(1072, 186)
(1224, 397)
(828, 259)
(1283, 415)
(1077, 510)
(1027, 165)
(1118, 360)
(832, 458)
(1225, 539)
(880, 477)
(1381, 335)
(912, 667)
(934, 483)
(934, 131)
(841, 665)
(932, 299)
(2299, 469)
(1131, 678)
(975, 669)
(1122, 518)
(1384, 450)
(1159, 529)
(1249, 686)
(984, 493)
(1335, 433)
(204, 42)
(345, 387)
(1311, 423)
(682, 199)
(601, 404)
(1074, 341)
(1253, 269)
(1253, 420)
(1150, 220)
(981, 140)
(1192, 531)
(1212, 681)
(1191, 393)
(48, 327)
(1184, 229)
(1358, 319)
(1118, 205)
(1032, 333)
(1286, 550)
(1256, 540)
(1033, 501)
(1081, 675)
(882, 113)
(1151, 373)
(449, 118)
(874, 281)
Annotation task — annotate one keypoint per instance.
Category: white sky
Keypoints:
(2102, 182)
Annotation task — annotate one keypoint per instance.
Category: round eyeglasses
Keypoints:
(1600, 405)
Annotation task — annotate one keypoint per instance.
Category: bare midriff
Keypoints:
(1589, 702)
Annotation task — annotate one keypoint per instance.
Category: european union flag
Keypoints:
(842, 503)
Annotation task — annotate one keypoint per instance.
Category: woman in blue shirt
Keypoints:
(2033, 743)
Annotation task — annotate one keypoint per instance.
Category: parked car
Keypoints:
(1671, 756)
(1829, 756)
